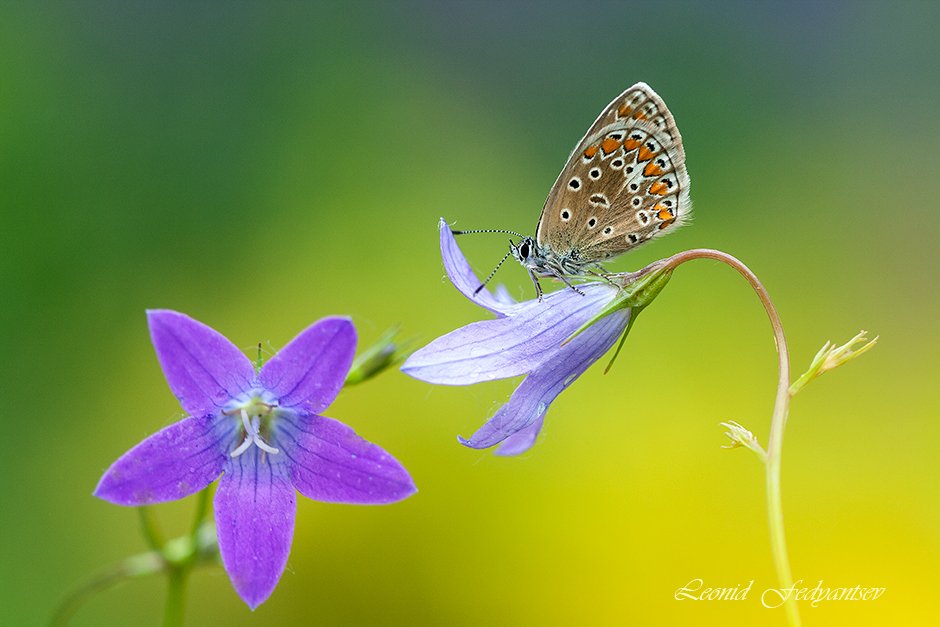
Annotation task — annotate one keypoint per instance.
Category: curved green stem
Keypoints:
(135, 566)
(149, 528)
(202, 506)
(175, 557)
(778, 421)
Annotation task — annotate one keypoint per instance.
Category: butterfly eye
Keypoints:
(524, 250)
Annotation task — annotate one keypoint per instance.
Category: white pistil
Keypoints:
(252, 436)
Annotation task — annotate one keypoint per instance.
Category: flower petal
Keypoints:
(502, 295)
(463, 277)
(255, 506)
(521, 441)
(531, 399)
(180, 460)
(310, 370)
(203, 368)
(509, 346)
(329, 462)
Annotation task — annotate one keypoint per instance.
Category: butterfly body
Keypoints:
(624, 184)
(545, 261)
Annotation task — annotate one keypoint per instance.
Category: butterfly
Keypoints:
(624, 184)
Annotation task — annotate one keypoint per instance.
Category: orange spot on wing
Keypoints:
(658, 188)
(663, 225)
(624, 110)
(645, 154)
(609, 145)
(630, 144)
(652, 169)
(663, 213)
(639, 115)
(590, 152)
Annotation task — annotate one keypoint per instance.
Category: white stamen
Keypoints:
(244, 446)
(246, 423)
(252, 436)
(264, 446)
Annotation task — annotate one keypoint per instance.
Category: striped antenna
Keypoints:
(482, 285)
(487, 231)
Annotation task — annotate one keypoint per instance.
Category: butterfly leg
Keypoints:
(567, 282)
(603, 275)
(538, 286)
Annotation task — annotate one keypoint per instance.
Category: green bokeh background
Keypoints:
(259, 166)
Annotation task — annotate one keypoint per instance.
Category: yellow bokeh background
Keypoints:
(259, 166)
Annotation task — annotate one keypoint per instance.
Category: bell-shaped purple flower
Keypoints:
(263, 433)
(527, 338)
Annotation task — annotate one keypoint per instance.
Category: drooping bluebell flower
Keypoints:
(527, 338)
(263, 432)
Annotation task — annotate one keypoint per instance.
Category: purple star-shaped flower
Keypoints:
(263, 432)
(525, 339)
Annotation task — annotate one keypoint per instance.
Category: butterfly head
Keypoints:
(528, 253)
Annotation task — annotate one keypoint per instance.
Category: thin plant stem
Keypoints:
(778, 422)
(149, 528)
(160, 559)
(129, 568)
(175, 597)
(202, 506)
(178, 571)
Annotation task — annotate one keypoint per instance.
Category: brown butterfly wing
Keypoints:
(625, 182)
